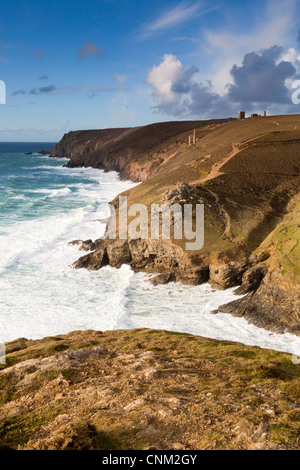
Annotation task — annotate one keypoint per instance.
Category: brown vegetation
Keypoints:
(146, 389)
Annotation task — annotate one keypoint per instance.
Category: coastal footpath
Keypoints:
(147, 389)
(247, 175)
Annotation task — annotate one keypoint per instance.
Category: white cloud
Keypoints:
(272, 28)
(162, 77)
(292, 56)
(177, 93)
(261, 81)
(173, 17)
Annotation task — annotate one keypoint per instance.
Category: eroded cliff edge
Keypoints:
(246, 173)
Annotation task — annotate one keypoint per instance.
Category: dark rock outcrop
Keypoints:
(225, 273)
(251, 279)
(160, 256)
(271, 304)
(183, 193)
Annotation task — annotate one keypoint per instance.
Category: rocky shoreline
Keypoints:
(266, 304)
(243, 229)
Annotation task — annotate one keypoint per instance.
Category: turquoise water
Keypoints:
(30, 187)
(44, 206)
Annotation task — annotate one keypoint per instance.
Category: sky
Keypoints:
(94, 64)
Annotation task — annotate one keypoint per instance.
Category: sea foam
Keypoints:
(41, 295)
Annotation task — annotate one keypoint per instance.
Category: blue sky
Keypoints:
(108, 63)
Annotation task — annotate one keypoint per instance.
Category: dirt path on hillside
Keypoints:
(169, 157)
(215, 169)
(223, 213)
(215, 172)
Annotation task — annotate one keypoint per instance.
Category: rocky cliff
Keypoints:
(247, 175)
(135, 153)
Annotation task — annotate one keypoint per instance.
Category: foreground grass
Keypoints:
(142, 389)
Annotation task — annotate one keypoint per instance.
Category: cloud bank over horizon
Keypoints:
(259, 82)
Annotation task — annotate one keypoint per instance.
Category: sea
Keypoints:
(43, 207)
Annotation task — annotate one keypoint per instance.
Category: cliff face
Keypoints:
(135, 153)
(275, 301)
(247, 175)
